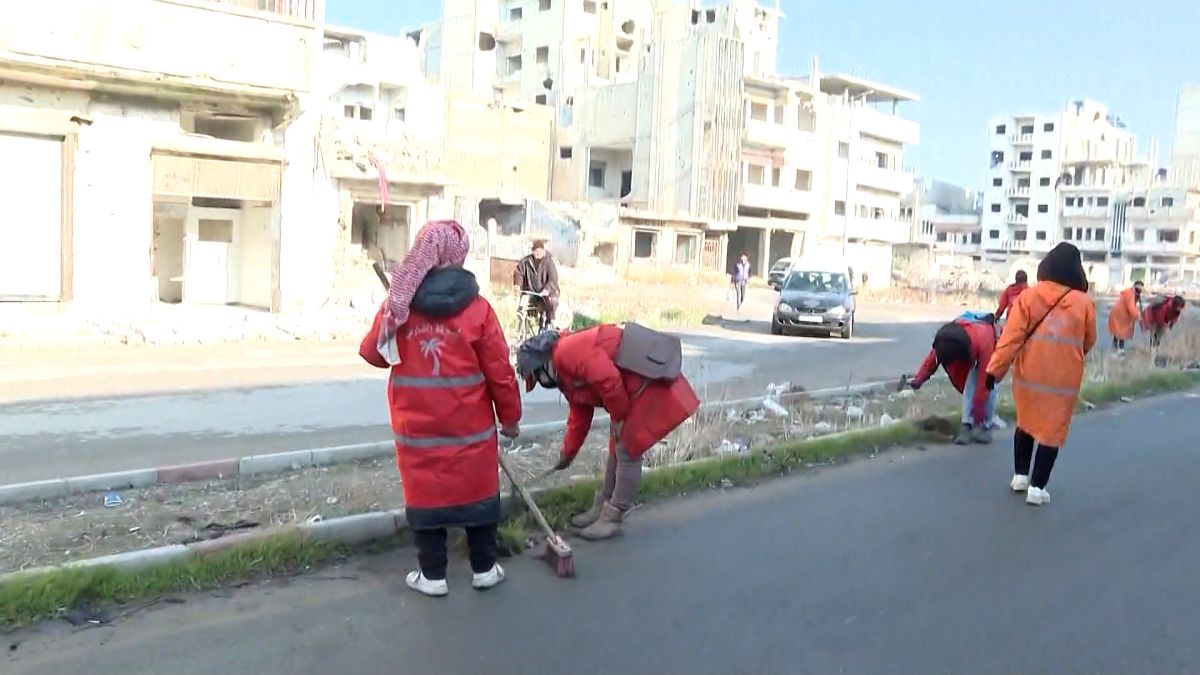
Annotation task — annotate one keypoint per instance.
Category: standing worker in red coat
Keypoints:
(450, 381)
(1162, 317)
(963, 348)
(1010, 294)
(642, 410)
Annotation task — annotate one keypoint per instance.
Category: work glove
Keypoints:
(916, 384)
(510, 430)
(563, 463)
(990, 382)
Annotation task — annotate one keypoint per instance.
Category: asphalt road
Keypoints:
(92, 411)
(911, 562)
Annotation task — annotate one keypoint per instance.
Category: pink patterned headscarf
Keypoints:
(440, 243)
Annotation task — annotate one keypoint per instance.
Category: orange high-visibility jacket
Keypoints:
(1048, 366)
(1124, 316)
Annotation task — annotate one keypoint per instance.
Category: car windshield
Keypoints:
(816, 282)
(780, 265)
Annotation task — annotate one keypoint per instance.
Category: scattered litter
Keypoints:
(777, 390)
(315, 519)
(822, 427)
(112, 500)
(1126, 399)
(854, 412)
(134, 530)
(907, 393)
(886, 419)
(1191, 395)
(729, 447)
(755, 416)
(731, 414)
(772, 406)
(331, 501)
(726, 483)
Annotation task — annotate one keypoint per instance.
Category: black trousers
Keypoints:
(1023, 456)
(1118, 344)
(432, 557)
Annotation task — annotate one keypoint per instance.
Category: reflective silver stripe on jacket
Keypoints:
(1045, 388)
(1058, 339)
(442, 441)
(437, 382)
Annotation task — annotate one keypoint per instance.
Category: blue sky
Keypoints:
(967, 59)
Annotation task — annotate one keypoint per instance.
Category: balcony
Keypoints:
(1017, 220)
(777, 198)
(1019, 192)
(882, 125)
(163, 48)
(1021, 139)
(896, 181)
(1021, 165)
(766, 135)
(510, 33)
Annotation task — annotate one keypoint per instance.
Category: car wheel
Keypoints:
(848, 331)
(776, 327)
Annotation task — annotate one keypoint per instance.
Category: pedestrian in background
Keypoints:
(450, 381)
(1123, 316)
(741, 277)
(1051, 329)
(1011, 293)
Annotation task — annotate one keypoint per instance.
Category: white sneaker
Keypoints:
(488, 579)
(418, 582)
(1019, 483)
(1037, 497)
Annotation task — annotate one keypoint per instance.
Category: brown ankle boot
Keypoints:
(591, 515)
(607, 527)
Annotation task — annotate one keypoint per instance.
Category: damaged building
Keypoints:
(143, 147)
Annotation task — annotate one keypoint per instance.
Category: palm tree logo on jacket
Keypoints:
(431, 348)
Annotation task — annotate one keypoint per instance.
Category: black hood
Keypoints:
(445, 293)
(1062, 265)
(952, 344)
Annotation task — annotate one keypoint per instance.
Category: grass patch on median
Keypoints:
(560, 504)
(30, 598)
(37, 596)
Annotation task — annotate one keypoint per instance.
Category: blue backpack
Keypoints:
(977, 317)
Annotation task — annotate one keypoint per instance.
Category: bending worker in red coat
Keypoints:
(963, 348)
(1010, 294)
(1160, 318)
(450, 381)
(642, 412)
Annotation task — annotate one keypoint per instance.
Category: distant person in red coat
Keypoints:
(963, 348)
(1009, 296)
(1158, 319)
(642, 412)
(450, 382)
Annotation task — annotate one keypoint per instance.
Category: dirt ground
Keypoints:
(81, 526)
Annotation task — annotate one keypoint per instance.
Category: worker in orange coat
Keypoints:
(1051, 329)
(1124, 315)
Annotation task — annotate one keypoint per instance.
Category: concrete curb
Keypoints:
(258, 465)
(354, 530)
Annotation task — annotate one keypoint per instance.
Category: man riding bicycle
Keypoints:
(536, 278)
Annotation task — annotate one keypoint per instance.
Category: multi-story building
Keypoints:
(1038, 161)
(676, 114)
(1075, 176)
(947, 216)
(142, 149)
(1185, 149)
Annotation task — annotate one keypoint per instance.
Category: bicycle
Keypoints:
(531, 316)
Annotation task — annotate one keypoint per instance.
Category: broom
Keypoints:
(554, 551)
